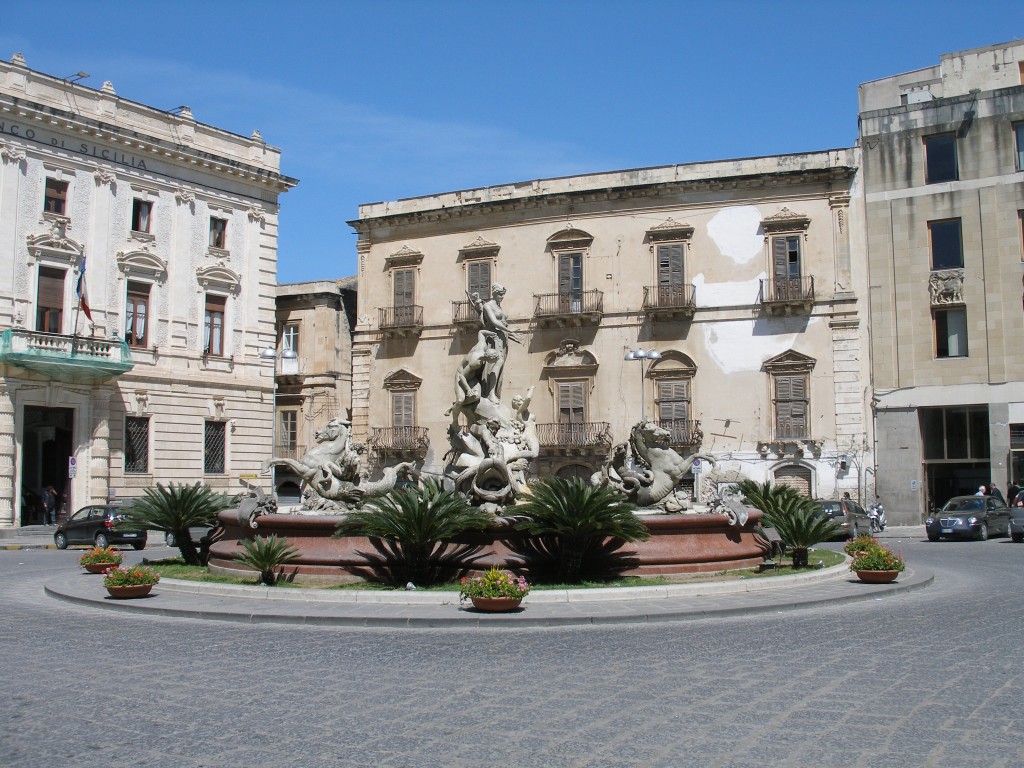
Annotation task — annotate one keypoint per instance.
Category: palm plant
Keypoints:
(578, 527)
(412, 530)
(174, 508)
(794, 517)
(266, 554)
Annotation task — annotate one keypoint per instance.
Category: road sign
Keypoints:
(72, 467)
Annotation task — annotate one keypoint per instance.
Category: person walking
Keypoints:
(50, 506)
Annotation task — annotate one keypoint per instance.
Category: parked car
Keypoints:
(97, 524)
(843, 512)
(975, 517)
(197, 534)
(1017, 518)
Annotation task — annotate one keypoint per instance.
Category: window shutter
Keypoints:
(570, 273)
(780, 258)
(480, 278)
(404, 287)
(674, 400)
(571, 402)
(791, 405)
(402, 409)
(670, 265)
(51, 288)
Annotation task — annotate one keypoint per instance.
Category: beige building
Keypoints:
(739, 273)
(177, 222)
(314, 367)
(942, 169)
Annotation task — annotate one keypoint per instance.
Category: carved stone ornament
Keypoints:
(785, 221)
(670, 230)
(220, 277)
(403, 257)
(257, 214)
(478, 247)
(184, 197)
(218, 406)
(570, 239)
(104, 176)
(12, 154)
(142, 263)
(402, 381)
(141, 402)
(571, 358)
(946, 287)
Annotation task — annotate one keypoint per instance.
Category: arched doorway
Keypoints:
(796, 477)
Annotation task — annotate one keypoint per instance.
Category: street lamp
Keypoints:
(640, 354)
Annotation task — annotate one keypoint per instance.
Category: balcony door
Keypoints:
(50, 300)
(786, 267)
(570, 281)
(572, 412)
(670, 275)
(405, 296)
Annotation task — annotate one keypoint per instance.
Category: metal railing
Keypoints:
(577, 303)
(464, 313)
(580, 434)
(683, 431)
(400, 439)
(287, 451)
(786, 289)
(409, 316)
(669, 297)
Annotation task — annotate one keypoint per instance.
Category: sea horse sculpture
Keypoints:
(656, 468)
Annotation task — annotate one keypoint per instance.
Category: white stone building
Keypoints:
(174, 224)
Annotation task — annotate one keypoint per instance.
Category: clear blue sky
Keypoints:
(374, 101)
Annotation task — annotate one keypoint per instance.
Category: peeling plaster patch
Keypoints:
(726, 294)
(743, 345)
(737, 233)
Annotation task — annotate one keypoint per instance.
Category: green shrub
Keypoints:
(794, 517)
(266, 554)
(175, 508)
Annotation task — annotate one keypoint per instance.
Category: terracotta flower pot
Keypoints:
(133, 590)
(496, 604)
(877, 577)
(98, 567)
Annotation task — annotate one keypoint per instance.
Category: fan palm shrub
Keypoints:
(266, 554)
(794, 517)
(412, 530)
(175, 508)
(577, 527)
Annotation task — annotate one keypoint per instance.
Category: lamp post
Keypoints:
(640, 354)
(270, 355)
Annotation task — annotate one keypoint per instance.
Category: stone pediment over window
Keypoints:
(789, 362)
(673, 365)
(570, 359)
(669, 230)
(219, 278)
(479, 248)
(403, 257)
(570, 239)
(402, 380)
(785, 221)
(55, 242)
(142, 264)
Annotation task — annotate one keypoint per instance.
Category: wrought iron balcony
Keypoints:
(575, 439)
(685, 433)
(465, 316)
(400, 441)
(65, 358)
(568, 309)
(669, 302)
(401, 321)
(787, 295)
(287, 451)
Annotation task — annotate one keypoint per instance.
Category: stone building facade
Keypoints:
(943, 189)
(169, 227)
(739, 273)
(314, 367)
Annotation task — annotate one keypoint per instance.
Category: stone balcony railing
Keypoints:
(65, 358)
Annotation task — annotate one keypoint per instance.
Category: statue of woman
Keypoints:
(494, 319)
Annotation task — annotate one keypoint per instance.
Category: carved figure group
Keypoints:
(946, 286)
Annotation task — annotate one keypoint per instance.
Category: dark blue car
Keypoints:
(969, 517)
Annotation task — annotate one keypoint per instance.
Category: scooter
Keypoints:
(876, 516)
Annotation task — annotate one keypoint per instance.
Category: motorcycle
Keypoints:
(876, 517)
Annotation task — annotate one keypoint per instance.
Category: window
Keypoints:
(289, 430)
(572, 412)
(136, 445)
(674, 408)
(940, 158)
(791, 406)
(951, 332)
(570, 281)
(56, 197)
(218, 232)
(290, 337)
(947, 245)
(1018, 132)
(478, 275)
(213, 326)
(214, 444)
(141, 210)
(50, 300)
(786, 266)
(403, 409)
(955, 433)
(670, 273)
(136, 314)
(405, 296)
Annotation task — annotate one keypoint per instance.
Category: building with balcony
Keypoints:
(139, 254)
(943, 189)
(738, 273)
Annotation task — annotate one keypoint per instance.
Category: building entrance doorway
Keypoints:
(46, 446)
(954, 479)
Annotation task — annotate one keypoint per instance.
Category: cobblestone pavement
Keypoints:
(926, 678)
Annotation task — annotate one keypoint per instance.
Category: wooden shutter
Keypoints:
(51, 288)
(674, 400)
(479, 274)
(791, 405)
(571, 402)
(405, 282)
(780, 258)
(670, 265)
(403, 412)
(570, 273)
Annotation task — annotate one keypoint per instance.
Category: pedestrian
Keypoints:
(993, 490)
(50, 505)
(1011, 492)
(981, 491)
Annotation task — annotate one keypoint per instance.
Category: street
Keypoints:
(928, 678)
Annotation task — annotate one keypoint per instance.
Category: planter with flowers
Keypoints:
(494, 591)
(134, 581)
(872, 562)
(100, 559)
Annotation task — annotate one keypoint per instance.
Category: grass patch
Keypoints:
(175, 568)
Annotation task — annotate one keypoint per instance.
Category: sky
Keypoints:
(375, 101)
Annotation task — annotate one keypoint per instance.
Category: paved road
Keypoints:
(928, 678)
